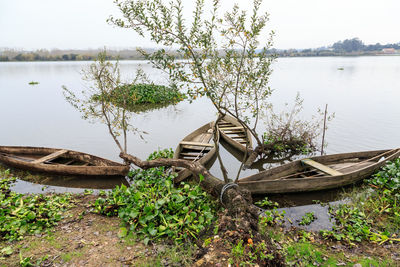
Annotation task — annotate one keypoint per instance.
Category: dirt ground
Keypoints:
(83, 238)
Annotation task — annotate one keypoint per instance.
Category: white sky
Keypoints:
(81, 24)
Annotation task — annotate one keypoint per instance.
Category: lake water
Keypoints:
(365, 97)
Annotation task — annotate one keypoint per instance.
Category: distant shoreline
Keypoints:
(27, 57)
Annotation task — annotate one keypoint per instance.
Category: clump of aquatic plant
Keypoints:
(153, 208)
(271, 216)
(28, 214)
(141, 94)
(373, 214)
(266, 203)
(308, 218)
(140, 97)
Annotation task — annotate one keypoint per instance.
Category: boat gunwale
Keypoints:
(340, 179)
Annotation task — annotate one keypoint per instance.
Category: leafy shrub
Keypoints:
(154, 208)
(28, 214)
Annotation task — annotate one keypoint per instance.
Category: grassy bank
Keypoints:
(152, 223)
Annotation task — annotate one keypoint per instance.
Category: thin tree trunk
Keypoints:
(216, 144)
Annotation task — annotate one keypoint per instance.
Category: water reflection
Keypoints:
(84, 182)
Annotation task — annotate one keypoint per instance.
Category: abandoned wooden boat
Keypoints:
(197, 146)
(318, 173)
(60, 161)
(234, 134)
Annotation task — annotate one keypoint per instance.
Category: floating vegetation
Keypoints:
(374, 213)
(33, 83)
(308, 218)
(143, 97)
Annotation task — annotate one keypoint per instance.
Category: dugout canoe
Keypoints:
(234, 134)
(60, 161)
(197, 146)
(318, 173)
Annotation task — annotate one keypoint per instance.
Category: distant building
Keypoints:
(389, 51)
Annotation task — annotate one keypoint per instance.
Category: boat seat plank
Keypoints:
(50, 157)
(233, 131)
(321, 167)
(191, 154)
(196, 144)
(238, 137)
(231, 128)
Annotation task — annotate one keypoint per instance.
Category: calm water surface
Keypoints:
(365, 97)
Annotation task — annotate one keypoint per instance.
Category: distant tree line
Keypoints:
(355, 44)
(65, 55)
(352, 46)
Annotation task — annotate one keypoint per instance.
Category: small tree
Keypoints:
(220, 57)
(96, 104)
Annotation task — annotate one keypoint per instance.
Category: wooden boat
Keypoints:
(234, 134)
(197, 146)
(318, 173)
(60, 161)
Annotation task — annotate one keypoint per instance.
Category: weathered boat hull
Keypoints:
(238, 138)
(191, 148)
(285, 178)
(27, 158)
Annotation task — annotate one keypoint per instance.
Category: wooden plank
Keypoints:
(69, 162)
(321, 167)
(191, 154)
(195, 149)
(50, 157)
(231, 128)
(234, 131)
(196, 144)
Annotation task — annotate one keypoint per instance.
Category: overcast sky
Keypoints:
(81, 24)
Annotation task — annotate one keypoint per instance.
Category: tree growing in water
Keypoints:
(222, 58)
(95, 104)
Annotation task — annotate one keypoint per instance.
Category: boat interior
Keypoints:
(235, 132)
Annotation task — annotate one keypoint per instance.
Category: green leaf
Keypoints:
(122, 232)
(7, 251)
